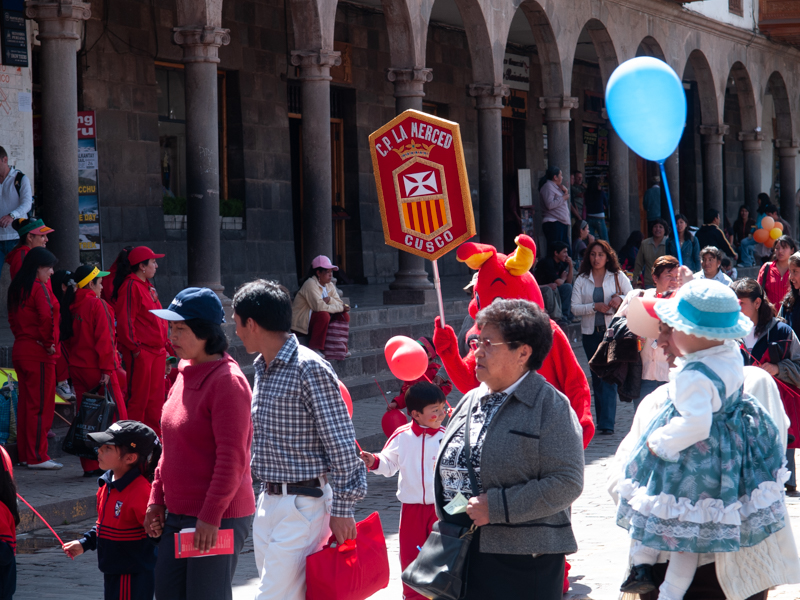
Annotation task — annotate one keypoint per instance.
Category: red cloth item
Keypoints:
(416, 523)
(318, 327)
(430, 373)
(93, 341)
(8, 529)
(775, 284)
(85, 379)
(137, 327)
(145, 391)
(204, 470)
(15, 259)
(36, 408)
(35, 325)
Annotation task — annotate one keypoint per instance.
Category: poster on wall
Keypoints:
(15, 35)
(88, 201)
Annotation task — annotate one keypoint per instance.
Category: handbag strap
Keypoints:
(473, 479)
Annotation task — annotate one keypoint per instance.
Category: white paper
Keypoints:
(24, 100)
(457, 505)
(87, 159)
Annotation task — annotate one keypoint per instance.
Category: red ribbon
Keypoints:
(43, 521)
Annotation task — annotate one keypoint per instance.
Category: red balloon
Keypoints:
(409, 362)
(394, 343)
(392, 419)
(348, 401)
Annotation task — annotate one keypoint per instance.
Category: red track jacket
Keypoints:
(15, 258)
(93, 343)
(136, 325)
(35, 324)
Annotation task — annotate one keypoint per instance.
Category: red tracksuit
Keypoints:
(15, 258)
(141, 337)
(125, 554)
(92, 352)
(35, 325)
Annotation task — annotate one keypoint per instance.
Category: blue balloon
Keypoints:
(646, 104)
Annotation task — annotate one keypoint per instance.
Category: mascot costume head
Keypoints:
(509, 277)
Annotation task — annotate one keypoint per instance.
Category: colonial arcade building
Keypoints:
(251, 118)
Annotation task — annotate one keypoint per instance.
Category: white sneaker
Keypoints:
(48, 465)
(63, 390)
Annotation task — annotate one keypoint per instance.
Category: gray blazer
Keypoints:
(531, 470)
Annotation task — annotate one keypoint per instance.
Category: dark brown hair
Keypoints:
(612, 264)
(750, 289)
(664, 263)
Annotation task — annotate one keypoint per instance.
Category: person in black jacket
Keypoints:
(711, 235)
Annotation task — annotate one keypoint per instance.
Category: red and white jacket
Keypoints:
(412, 450)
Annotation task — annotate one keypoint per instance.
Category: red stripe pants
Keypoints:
(145, 391)
(85, 379)
(129, 586)
(416, 523)
(36, 408)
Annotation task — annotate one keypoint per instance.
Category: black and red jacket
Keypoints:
(119, 536)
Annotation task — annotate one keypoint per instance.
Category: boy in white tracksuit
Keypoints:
(412, 450)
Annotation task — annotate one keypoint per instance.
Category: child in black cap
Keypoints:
(125, 553)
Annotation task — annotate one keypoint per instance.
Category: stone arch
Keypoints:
(709, 107)
(603, 46)
(407, 30)
(486, 68)
(313, 23)
(196, 12)
(546, 46)
(649, 46)
(783, 110)
(745, 95)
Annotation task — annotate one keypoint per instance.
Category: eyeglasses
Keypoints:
(485, 344)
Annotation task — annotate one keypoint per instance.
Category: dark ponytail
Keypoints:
(22, 284)
(123, 270)
(148, 467)
(8, 492)
(67, 298)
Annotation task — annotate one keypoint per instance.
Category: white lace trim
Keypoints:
(709, 510)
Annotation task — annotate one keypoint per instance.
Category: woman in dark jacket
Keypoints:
(526, 441)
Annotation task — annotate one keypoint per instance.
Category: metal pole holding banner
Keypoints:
(437, 284)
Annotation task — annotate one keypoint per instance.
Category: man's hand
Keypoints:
(72, 549)
(6, 221)
(478, 509)
(205, 536)
(343, 528)
(154, 520)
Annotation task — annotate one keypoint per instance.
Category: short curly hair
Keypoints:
(520, 322)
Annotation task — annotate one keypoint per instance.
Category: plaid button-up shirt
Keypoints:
(301, 428)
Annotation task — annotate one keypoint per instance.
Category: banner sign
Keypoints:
(88, 200)
(15, 35)
(517, 72)
(422, 184)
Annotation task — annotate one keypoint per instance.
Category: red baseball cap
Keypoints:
(141, 254)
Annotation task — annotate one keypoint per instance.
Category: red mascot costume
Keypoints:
(501, 276)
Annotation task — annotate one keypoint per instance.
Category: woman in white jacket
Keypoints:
(597, 293)
(317, 306)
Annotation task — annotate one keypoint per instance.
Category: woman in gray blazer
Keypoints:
(527, 453)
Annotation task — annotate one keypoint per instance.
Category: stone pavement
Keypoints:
(597, 568)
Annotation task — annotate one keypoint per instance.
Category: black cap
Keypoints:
(134, 435)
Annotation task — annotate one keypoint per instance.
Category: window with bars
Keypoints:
(736, 7)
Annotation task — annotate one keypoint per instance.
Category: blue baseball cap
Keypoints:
(193, 303)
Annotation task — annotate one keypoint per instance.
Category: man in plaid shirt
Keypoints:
(304, 450)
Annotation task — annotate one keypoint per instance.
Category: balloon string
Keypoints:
(671, 213)
(43, 521)
(381, 390)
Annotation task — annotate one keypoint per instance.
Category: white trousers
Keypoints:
(286, 529)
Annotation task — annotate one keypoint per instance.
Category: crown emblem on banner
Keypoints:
(414, 149)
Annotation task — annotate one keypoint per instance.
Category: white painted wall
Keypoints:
(718, 10)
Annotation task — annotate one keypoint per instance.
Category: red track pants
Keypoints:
(37, 403)
(145, 391)
(86, 379)
(416, 522)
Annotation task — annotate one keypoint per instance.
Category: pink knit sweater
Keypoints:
(204, 470)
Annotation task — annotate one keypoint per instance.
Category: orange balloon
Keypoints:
(769, 243)
(775, 233)
(761, 236)
(767, 223)
(778, 225)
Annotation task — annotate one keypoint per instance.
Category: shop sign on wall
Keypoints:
(517, 72)
(88, 200)
(15, 35)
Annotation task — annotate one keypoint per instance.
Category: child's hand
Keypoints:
(392, 405)
(437, 380)
(73, 549)
(369, 459)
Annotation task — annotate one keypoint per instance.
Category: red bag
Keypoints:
(354, 570)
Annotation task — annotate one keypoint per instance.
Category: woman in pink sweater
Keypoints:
(203, 477)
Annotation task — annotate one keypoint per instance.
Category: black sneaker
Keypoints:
(639, 581)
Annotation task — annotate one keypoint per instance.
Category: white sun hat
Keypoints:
(705, 308)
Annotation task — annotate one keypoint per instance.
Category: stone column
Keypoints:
(556, 117)
(411, 284)
(713, 176)
(315, 88)
(751, 146)
(787, 152)
(489, 102)
(200, 56)
(619, 179)
(673, 170)
(59, 26)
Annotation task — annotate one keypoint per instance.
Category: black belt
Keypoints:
(307, 487)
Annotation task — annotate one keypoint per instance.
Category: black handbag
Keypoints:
(440, 569)
(95, 415)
